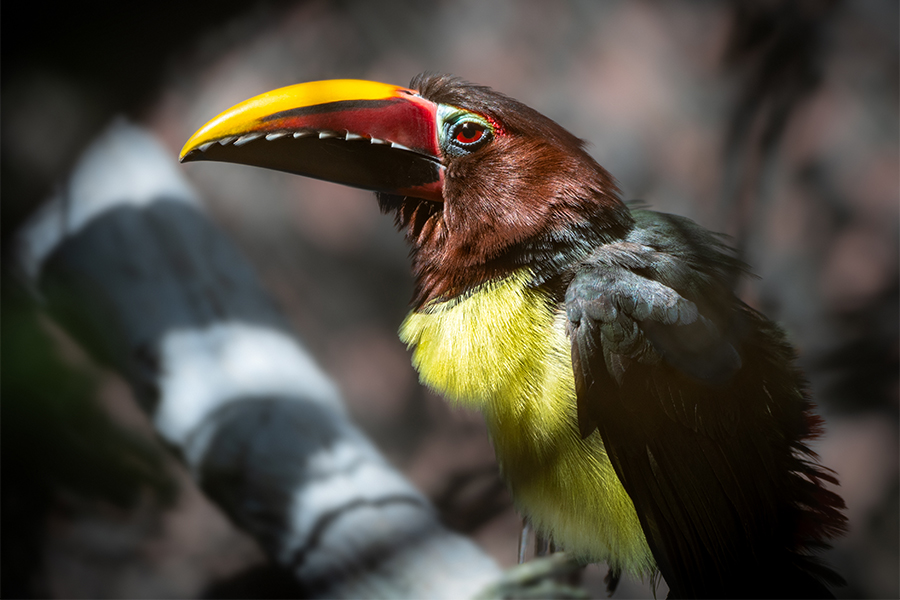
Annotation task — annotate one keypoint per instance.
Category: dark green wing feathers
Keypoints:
(702, 414)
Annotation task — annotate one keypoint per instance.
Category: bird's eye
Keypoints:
(461, 131)
(469, 132)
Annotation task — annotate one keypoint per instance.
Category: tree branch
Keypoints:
(125, 260)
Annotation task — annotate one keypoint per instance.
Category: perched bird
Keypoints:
(641, 414)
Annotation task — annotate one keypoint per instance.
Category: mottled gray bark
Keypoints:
(125, 260)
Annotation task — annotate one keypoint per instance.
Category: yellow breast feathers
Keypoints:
(503, 348)
(496, 348)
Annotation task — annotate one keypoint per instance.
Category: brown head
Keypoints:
(481, 184)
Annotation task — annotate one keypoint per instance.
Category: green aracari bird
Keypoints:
(641, 414)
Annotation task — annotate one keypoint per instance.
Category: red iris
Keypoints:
(469, 133)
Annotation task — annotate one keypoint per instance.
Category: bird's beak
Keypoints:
(364, 134)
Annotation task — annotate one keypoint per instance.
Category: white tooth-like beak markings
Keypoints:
(322, 135)
(247, 138)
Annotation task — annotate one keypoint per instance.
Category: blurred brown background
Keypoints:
(774, 121)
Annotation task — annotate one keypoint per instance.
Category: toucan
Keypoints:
(641, 414)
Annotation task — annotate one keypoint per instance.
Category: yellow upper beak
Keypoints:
(361, 133)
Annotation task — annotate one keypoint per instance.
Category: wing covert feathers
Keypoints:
(703, 414)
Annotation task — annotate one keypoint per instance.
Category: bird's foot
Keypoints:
(544, 577)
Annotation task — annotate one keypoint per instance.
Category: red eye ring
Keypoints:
(469, 132)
